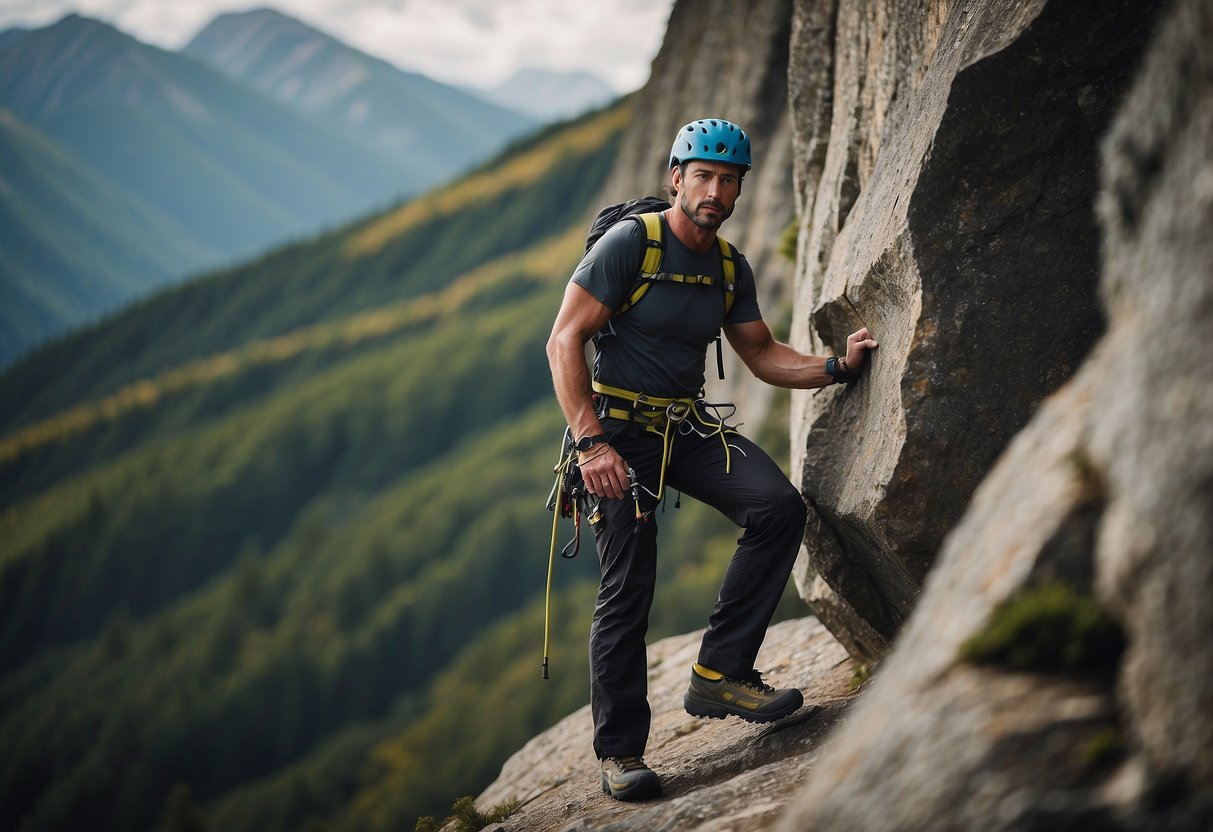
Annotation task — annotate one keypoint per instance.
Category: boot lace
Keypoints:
(754, 681)
(627, 764)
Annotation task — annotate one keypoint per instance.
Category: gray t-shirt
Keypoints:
(658, 347)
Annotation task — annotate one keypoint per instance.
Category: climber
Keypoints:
(640, 424)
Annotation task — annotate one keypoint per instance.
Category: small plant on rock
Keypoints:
(467, 817)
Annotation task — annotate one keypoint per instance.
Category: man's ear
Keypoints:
(676, 177)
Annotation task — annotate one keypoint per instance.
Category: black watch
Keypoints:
(587, 442)
(838, 374)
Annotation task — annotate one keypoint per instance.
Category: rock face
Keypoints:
(1112, 479)
(946, 163)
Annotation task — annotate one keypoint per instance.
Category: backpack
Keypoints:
(646, 210)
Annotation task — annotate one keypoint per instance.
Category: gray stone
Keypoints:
(945, 165)
(1151, 435)
(951, 213)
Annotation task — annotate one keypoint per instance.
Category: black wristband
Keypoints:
(587, 442)
(837, 374)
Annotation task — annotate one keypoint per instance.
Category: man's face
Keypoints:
(708, 191)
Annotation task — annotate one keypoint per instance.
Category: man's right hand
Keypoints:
(604, 472)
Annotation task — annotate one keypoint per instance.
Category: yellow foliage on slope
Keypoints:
(519, 171)
(550, 262)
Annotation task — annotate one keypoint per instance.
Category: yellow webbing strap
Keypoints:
(652, 252)
(640, 398)
(730, 272)
(658, 407)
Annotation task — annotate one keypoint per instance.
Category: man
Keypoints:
(640, 425)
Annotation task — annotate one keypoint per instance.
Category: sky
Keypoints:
(475, 43)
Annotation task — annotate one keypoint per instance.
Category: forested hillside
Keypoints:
(272, 544)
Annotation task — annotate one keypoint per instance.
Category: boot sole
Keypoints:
(641, 789)
(709, 709)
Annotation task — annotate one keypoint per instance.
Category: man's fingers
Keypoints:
(610, 481)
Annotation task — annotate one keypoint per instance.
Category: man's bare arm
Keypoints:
(779, 364)
(581, 315)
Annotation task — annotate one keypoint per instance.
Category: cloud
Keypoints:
(469, 42)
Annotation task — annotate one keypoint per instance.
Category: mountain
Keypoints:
(179, 168)
(551, 96)
(11, 36)
(434, 130)
(72, 244)
(273, 544)
(233, 167)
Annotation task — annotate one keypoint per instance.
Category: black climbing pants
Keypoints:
(755, 495)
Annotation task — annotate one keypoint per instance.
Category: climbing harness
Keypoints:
(667, 417)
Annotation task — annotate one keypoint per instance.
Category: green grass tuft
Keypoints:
(1051, 629)
(467, 817)
(859, 676)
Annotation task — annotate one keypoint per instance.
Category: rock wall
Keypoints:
(719, 59)
(945, 165)
(1109, 489)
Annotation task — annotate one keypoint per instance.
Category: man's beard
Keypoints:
(704, 222)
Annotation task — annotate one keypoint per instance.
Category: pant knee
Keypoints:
(787, 507)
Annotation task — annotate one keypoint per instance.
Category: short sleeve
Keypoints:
(609, 268)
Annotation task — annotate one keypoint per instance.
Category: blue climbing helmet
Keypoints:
(711, 140)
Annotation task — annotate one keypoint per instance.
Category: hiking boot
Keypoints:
(715, 695)
(628, 778)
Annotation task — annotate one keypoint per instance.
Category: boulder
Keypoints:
(946, 169)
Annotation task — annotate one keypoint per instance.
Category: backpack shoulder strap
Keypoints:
(727, 255)
(650, 265)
